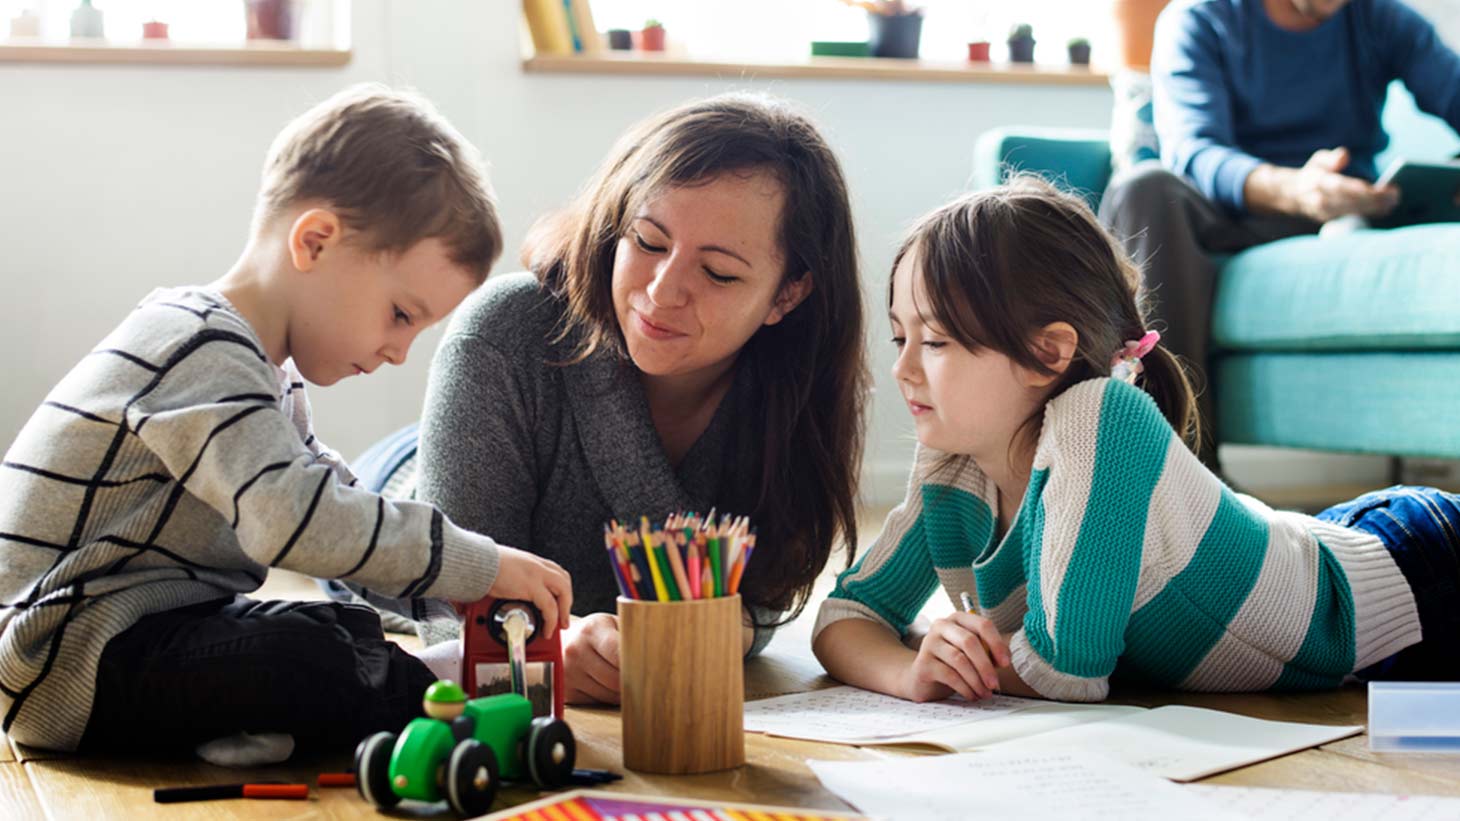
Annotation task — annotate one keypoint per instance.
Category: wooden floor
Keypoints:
(38, 784)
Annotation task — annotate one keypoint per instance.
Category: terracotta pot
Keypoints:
(978, 52)
(652, 39)
(154, 30)
(1135, 25)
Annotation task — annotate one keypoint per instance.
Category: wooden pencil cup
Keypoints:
(682, 685)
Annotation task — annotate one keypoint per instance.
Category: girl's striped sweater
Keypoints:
(1129, 557)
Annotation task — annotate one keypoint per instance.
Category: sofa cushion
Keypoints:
(1394, 402)
(1370, 290)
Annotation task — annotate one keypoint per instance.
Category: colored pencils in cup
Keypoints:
(687, 557)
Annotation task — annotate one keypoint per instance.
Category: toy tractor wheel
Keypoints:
(471, 779)
(551, 752)
(372, 770)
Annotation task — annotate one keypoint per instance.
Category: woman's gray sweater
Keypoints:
(540, 455)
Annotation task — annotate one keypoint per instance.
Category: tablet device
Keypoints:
(1426, 193)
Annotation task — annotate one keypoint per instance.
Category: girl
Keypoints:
(1054, 480)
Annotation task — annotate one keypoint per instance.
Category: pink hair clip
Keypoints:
(1126, 364)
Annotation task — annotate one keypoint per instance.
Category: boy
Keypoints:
(175, 464)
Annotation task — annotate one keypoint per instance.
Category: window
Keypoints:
(783, 29)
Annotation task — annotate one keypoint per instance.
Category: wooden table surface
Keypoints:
(37, 784)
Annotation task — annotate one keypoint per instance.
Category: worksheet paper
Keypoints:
(1304, 805)
(1182, 743)
(850, 715)
(1000, 785)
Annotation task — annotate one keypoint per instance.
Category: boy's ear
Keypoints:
(313, 231)
(793, 292)
(1055, 345)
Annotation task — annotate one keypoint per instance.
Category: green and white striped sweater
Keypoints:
(1128, 556)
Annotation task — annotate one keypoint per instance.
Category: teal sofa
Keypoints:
(1338, 344)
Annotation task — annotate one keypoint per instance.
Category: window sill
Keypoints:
(164, 52)
(831, 68)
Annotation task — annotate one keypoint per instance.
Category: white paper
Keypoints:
(1183, 743)
(1303, 805)
(1002, 785)
(850, 715)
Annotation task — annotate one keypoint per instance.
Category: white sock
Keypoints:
(247, 749)
(444, 659)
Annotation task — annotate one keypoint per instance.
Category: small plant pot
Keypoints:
(1021, 50)
(896, 35)
(154, 30)
(652, 39)
(271, 19)
(978, 52)
(1080, 54)
(620, 40)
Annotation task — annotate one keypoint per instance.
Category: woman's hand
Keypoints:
(523, 575)
(960, 654)
(590, 660)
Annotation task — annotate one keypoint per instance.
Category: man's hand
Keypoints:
(590, 660)
(1319, 190)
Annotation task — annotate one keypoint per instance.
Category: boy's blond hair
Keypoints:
(393, 169)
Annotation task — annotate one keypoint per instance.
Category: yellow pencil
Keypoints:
(660, 591)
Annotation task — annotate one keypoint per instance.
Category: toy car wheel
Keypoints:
(372, 770)
(471, 778)
(551, 752)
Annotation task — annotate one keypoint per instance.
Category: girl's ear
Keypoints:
(1054, 345)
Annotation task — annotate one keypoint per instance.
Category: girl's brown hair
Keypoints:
(999, 265)
(808, 371)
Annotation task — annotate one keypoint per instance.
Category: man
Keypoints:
(1267, 113)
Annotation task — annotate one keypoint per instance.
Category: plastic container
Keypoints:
(1414, 716)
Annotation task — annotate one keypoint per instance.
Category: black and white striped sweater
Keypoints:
(174, 465)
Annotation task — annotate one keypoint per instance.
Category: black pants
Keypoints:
(321, 671)
(1171, 230)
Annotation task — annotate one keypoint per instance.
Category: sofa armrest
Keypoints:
(1075, 159)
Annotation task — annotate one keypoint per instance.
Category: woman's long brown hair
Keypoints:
(809, 371)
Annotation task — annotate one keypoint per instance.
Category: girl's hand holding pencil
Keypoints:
(959, 655)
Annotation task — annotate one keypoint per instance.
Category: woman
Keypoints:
(690, 337)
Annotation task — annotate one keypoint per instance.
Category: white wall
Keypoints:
(114, 180)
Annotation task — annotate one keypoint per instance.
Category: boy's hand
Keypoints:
(522, 575)
(590, 660)
(959, 655)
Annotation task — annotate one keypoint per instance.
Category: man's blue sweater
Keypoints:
(1232, 90)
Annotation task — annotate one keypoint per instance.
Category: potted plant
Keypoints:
(897, 31)
(1021, 43)
(651, 38)
(978, 51)
(1079, 49)
(620, 40)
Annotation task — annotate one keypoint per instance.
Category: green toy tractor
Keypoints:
(462, 750)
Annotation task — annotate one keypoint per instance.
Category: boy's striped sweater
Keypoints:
(174, 465)
(1128, 556)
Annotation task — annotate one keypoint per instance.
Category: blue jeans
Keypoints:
(1421, 528)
